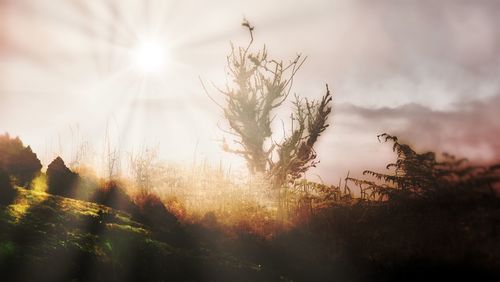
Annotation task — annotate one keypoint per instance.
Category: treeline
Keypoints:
(19, 166)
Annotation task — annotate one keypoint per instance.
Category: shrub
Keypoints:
(61, 180)
(152, 211)
(422, 176)
(18, 161)
(111, 194)
(176, 207)
(7, 192)
(88, 184)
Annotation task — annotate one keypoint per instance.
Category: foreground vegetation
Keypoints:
(51, 238)
(427, 219)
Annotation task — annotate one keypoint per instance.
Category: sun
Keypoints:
(150, 56)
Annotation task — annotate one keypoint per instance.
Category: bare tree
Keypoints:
(111, 158)
(80, 147)
(259, 86)
(145, 169)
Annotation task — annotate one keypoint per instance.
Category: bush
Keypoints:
(7, 192)
(18, 161)
(152, 211)
(88, 184)
(61, 180)
(176, 207)
(111, 194)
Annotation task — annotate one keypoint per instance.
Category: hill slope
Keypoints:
(46, 237)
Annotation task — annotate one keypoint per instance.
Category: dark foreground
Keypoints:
(51, 238)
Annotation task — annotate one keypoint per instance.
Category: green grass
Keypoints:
(60, 222)
(42, 232)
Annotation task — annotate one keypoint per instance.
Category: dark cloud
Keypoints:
(469, 130)
(396, 52)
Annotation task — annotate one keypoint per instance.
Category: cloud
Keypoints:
(469, 130)
(390, 53)
(422, 70)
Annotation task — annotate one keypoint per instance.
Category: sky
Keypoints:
(426, 71)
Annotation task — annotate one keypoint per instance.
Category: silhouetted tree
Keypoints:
(61, 180)
(18, 161)
(7, 192)
(145, 169)
(111, 158)
(260, 86)
(152, 211)
(422, 175)
(111, 194)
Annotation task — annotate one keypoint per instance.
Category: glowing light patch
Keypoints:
(150, 56)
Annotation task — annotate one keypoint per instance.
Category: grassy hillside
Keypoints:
(428, 220)
(46, 237)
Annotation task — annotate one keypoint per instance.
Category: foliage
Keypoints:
(296, 154)
(87, 186)
(422, 175)
(152, 211)
(306, 198)
(431, 218)
(112, 194)
(61, 239)
(7, 192)
(18, 161)
(437, 219)
(146, 170)
(260, 86)
(60, 179)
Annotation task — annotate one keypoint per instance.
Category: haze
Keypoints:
(425, 71)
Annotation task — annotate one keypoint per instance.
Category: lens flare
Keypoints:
(150, 56)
